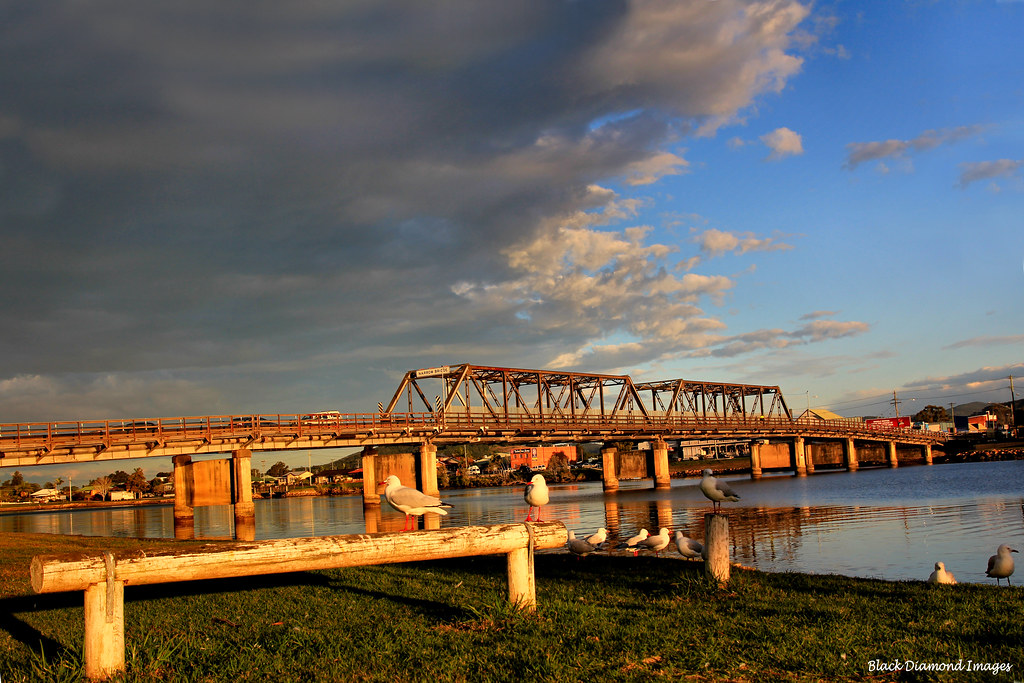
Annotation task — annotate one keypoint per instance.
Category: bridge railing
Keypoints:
(157, 431)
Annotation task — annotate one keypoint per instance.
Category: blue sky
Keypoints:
(283, 209)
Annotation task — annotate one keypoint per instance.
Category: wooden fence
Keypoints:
(103, 576)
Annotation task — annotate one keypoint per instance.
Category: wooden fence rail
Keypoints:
(103, 576)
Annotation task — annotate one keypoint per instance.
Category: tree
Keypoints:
(17, 480)
(278, 469)
(931, 414)
(119, 478)
(558, 465)
(102, 486)
(137, 481)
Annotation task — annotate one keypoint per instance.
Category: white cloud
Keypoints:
(716, 242)
(987, 170)
(783, 142)
(861, 152)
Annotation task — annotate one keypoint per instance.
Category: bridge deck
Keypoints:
(26, 444)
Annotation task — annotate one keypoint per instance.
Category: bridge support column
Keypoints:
(245, 509)
(610, 475)
(927, 453)
(662, 476)
(184, 487)
(370, 495)
(850, 455)
(428, 470)
(891, 447)
(799, 457)
(755, 459)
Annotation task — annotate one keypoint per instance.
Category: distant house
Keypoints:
(293, 478)
(123, 495)
(331, 476)
(821, 414)
(44, 495)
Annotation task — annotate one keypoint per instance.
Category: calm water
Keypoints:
(892, 524)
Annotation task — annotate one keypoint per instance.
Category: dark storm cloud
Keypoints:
(228, 189)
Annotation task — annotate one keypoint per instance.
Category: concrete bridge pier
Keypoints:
(755, 459)
(799, 457)
(849, 455)
(609, 476)
(891, 448)
(245, 509)
(370, 495)
(427, 470)
(662, 476)
(184, 485)
(927, 453)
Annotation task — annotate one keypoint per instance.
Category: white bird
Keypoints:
(577, 546)
(716, 491)
(410, 501)
(536, 494)
(940, 575)
(598, 537)
(1000, 565)
(656, 543)
(689, 548)
(631, 542)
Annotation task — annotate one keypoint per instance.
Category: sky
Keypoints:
(221, 208)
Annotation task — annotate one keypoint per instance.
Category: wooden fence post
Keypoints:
(104, 626)
(716, 542)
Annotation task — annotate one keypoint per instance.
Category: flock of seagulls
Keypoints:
(413, 503)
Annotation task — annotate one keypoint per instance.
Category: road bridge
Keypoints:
(469, 403)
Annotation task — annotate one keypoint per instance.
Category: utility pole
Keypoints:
(1013, 401)
(952, 418)
(896, 403)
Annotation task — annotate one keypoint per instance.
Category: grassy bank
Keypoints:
(599, 618)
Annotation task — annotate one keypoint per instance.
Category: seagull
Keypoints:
(1000, 565)
(688, 547)
(578, 547)
(598, 537)
(716, 491)
(940, 575)
(630, 543)
(655, 543)
(411, 502)
(536, 494)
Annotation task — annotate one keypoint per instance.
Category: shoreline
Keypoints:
(687, 469)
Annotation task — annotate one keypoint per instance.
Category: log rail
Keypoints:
(103, 576)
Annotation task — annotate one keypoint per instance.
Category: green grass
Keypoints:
(600, 618)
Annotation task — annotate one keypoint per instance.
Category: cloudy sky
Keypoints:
(213, 208)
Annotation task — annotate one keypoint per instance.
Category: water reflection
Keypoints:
(892, 524)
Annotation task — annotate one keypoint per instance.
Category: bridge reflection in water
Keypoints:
(887, 523)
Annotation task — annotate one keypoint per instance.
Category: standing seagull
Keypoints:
(536, 494)
(631, 542)
(656, 543)
(716, 491)
(1000, 565)
(411, 502)
(598, 537)
(940, 575)
(578, 547)
(688, 547)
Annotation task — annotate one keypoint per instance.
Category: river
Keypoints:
(882, 523)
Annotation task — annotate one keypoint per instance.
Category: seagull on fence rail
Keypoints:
(411, 501)
(940, 575)
(716, 491)
(536, 494)
(631, 542)
(1000, 565)
(655, 543)
(689, 548)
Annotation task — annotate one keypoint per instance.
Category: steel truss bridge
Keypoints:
(457, 404)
